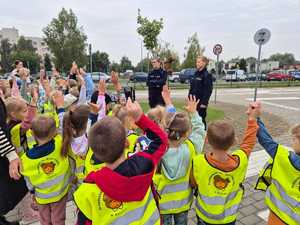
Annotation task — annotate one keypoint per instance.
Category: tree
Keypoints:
(66, 40)
(165, 51)
(284, 59)
(142, 65)
(125, 64)
(100, 61)
(25, 52)
(149, 30)
(243, 64)
(47, 63)
(5, 55)
(193, 51)
(115, 67)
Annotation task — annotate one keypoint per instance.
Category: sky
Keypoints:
(111, 25)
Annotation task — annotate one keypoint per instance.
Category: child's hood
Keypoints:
(121, 188)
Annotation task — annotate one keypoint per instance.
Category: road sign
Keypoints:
(217, 49)
(262, 36)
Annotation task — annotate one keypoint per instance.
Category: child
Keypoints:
(282, 196)
(47, 172)
(120, 193)
(219, 175)
(185, 138)
(122, 114)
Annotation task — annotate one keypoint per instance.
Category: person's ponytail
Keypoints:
(67, 133)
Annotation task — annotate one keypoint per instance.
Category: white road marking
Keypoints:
(275, 98)
(281, 106)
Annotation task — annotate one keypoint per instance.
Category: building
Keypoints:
(40, 46)
(12, 34)
(269, 66)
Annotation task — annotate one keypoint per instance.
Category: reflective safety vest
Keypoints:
(101, 209)
(219, 192)
(15, 134)
(264, 177)
(132, 139)
(49, 110)
(79, 165)
(90, 165)
(283, 195)
(31, 142)
(49, 176)
(175, 195)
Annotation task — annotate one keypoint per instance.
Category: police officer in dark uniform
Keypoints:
(156, 80)
(201, 86)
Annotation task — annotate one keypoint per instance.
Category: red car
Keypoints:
(278, 76)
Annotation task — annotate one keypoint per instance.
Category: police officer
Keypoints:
(201, 86)
(156, 80)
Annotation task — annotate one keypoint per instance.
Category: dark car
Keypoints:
(295, 75)
(186, 74)
(139, 77)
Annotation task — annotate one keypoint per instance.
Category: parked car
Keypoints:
(235, 75)
(252, 77)
(295, 75)
(278, 76)
(174, 78)
(139, 77)
(186, 74)
(96, 76)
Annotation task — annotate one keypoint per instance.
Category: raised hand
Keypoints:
(134, 109)
(102, 87)
(94, 108)
(192, 103)
(254, 110)
(115, 81)
(166, 94)
(58, 99)
(34, 95)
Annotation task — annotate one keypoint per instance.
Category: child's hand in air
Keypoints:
(134, 110)
(192, 103)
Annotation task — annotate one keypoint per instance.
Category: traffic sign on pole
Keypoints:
(217, 50)
(261, 37)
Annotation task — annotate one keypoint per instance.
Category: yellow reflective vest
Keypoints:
(283, 195)
(101, 209)
(264, 177)
(15, 134)
(49, 110)
(132, 139)
(90, 165)
(49, 176)
(219, 192)
(79, 165)
(176, 196)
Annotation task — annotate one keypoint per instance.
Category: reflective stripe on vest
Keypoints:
(219, 192)
(282, 206)
(137, 214)
(227, 212)
(176, 196)
(282, 196)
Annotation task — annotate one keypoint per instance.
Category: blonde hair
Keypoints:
(120, 112)
(177, 125)
(43, 127)
(204, 59)
(158, 115)
(14, 104)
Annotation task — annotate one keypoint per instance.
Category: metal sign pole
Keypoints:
(257, 71)
(217, 77)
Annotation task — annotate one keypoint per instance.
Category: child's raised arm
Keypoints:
(166, 94)
(159, 138)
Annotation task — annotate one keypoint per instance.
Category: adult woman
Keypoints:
(12, 186)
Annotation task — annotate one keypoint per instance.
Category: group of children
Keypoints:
(121, 166)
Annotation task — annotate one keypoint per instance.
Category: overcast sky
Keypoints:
(111, 24)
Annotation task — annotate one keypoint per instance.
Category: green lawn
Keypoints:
(212, 113)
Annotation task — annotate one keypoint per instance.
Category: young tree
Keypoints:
(66, 40)
(47, 62)
(5, 55)
(100, 61)
(24, 45)
(165, 52)
(243, 64)
(125, 64)
(149, 30)
(115, 67)
(193, 51)
(142, 65)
